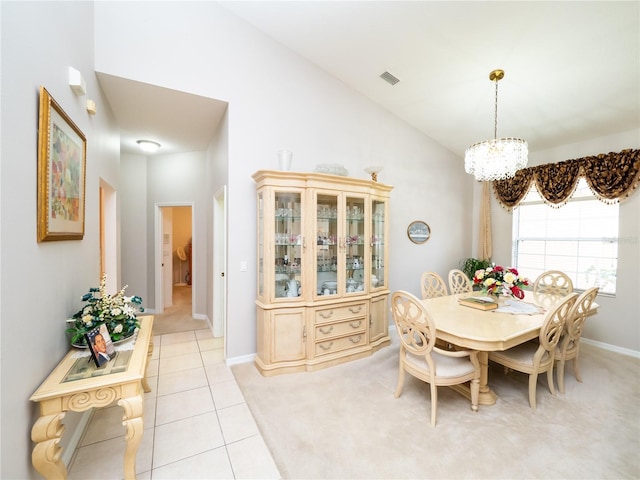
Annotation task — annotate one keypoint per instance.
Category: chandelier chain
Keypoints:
(495, 114)
(497, 158)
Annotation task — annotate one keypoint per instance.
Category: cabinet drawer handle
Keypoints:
(327, 331)
(355, 339)
(326, 314)
(355, 324)
(355, 309)
(325, 346)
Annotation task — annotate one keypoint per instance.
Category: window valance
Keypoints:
(611, 177)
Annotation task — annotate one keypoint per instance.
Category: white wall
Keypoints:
(277, 100)
(133, 223)
(618, 321)
(42, 283)
(217, 178)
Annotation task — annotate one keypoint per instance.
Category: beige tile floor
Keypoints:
(196, 421)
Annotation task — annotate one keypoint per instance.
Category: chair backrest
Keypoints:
(555, 321)
(416, 328)
(578, 314)
(459, 282)
(432, 285)
(553, 281)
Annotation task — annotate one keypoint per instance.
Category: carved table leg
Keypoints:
(46, 433)
(145, 384)
(132, 420)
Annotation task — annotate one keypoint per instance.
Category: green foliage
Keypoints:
(117, 312)
(470, 265)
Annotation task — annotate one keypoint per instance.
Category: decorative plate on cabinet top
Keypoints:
(333, 169)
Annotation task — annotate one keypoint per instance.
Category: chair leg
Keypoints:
(400, 381)
(552, 387)
(434, 403)
(560, 370)
(576, 369)
(533, 380)
(475, 393)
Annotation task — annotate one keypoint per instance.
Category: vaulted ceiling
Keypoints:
(572, 68)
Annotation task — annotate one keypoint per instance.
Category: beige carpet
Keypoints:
(178, 317)
(344, 423)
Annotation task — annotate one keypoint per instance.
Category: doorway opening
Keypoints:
(175, 281)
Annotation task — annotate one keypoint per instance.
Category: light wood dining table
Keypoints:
(487, 331)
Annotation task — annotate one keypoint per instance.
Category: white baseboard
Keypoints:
(241, 359)
(612, 348)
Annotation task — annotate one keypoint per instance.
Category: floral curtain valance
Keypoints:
(611, 177)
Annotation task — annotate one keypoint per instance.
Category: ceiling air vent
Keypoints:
(390, 79)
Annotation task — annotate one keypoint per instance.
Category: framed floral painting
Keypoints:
(62, 151)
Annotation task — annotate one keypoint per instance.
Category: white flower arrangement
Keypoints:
(118, 312)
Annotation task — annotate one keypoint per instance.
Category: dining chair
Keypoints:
(459, 282)
(432, 285)
(538, 357)
(420, 357)
(569, 346)
(553, 281)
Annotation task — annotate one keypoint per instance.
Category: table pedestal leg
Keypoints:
(132, 420)
(486, 396)
(47, 432)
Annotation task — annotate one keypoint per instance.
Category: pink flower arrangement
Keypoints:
(497, 280)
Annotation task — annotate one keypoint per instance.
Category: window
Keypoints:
(580, 239)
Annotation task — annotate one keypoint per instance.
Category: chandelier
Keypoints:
(498, 158)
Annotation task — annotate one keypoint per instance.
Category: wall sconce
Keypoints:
(91, 107)
(76, 82)
(148, 146)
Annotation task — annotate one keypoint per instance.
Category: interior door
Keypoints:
(167, 256)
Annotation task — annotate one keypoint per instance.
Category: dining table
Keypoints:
(489, 330)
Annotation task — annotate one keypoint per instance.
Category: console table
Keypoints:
(77, 385)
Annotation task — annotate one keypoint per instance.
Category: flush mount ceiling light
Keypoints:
(148, 146)
(498, 158)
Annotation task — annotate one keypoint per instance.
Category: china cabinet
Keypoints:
(322, 273)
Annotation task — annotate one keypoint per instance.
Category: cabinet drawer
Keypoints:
(340, 329)
(342, 343)
(332, 314)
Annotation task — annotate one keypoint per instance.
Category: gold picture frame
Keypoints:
(62, 160)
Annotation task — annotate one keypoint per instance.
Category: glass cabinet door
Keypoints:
(378, 208)
(260, 207)
(327, 244)
(288, 244)
(354, 242)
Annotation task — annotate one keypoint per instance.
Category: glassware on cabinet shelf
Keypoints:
(377, 243)
(288, 243)
(327, 244)
(355, 244)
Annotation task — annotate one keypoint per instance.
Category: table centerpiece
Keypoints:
(118, 312)
(499, 281)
